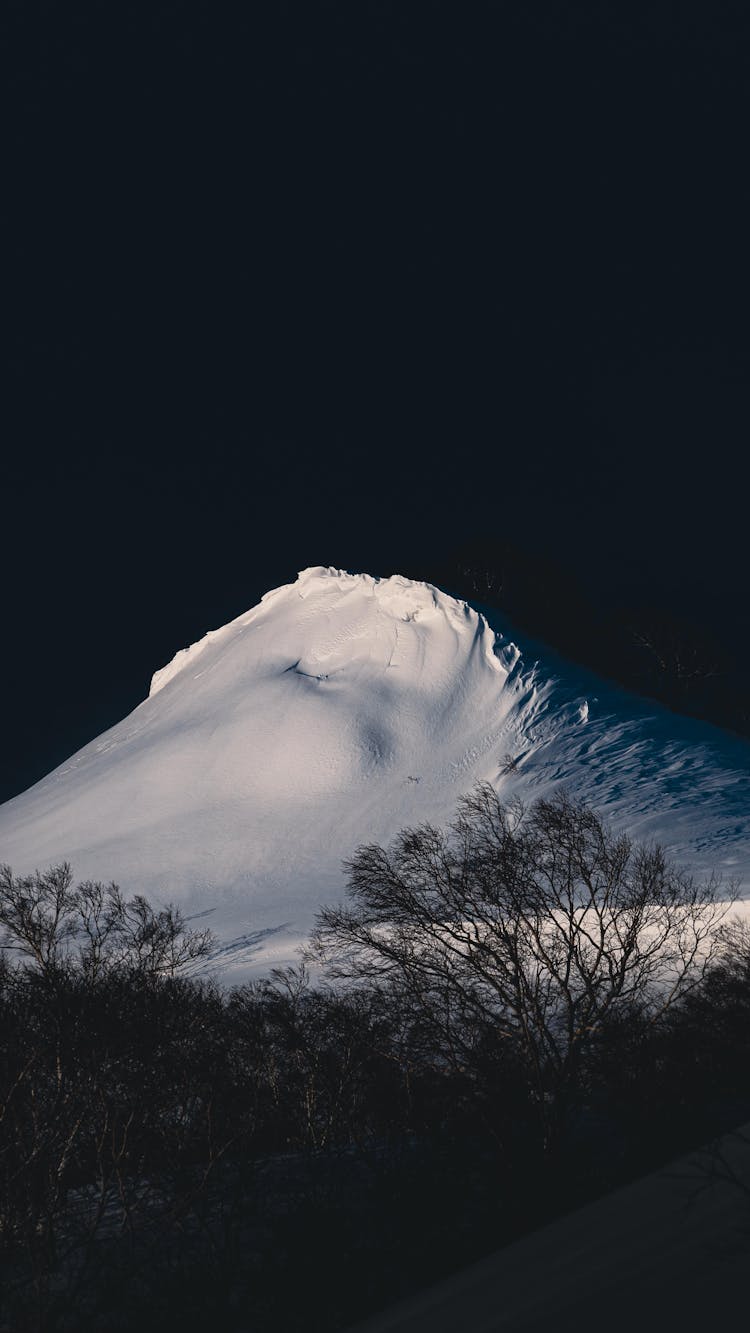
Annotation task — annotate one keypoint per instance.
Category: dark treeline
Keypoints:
(523, 1011)
(688, 662)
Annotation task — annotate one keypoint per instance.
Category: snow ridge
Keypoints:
(397, 597)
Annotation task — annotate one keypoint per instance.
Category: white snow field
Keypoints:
(335, 712)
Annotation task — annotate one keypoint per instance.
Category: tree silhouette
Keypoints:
(535, 926)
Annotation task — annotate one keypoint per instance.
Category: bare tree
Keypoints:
(37, 913)
(49, 922)
(536, 925)
(681, 656)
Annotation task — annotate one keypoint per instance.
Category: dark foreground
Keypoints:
(669, 1251)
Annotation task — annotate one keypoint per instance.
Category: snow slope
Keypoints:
(337, 710)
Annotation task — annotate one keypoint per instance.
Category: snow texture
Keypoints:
(335, 712)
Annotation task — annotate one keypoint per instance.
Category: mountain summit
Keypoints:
(339, 709)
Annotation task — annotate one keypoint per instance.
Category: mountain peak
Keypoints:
(339, 709)
(329, 590)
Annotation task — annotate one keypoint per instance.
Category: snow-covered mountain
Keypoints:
(339, 709)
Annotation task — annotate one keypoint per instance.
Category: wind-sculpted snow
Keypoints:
(335, 712)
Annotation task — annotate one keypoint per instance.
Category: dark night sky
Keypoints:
(352, 283)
